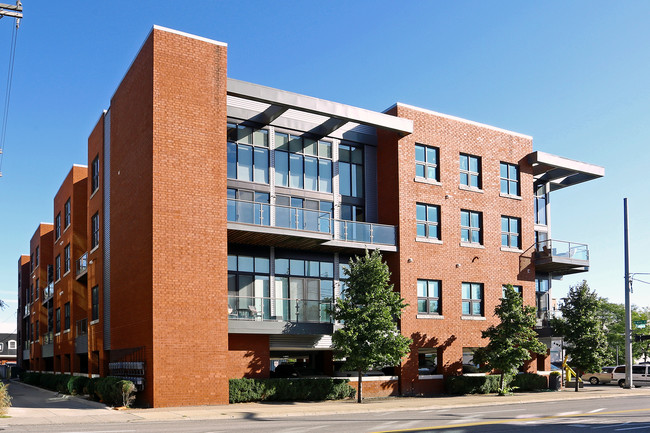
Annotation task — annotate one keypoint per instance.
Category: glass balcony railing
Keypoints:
(82, 265)
(294, 218)
(48, 338)
(279, 309)
(48, 291)
(562, 249)
(26, 312)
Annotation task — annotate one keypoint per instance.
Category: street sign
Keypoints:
(640, 323)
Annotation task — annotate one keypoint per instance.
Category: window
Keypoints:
(94, 234)
(248, 207)
(518, 289)
(350, 170)
(470, 171)
(540, 205)
(58, 320)
(427, 360)
(428, 220)
(509, 175)
(66, 319)
(95, 303)
(38, 288)
(94, 172)
(66, 214)
(57, 226)
(12, 344)
(302, 162)
(303, 214)
(248, 153)
(472, 299)
(470, 227)
(306, 288)
(66, 259)
(510, 232)
(57, 268)
(429, 297)
(36, 259)
(37, 331)
(426, 162)
(541, 285)
(249, 290)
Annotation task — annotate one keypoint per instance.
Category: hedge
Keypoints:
(461, 385)
(246, 390)
(529, 382)
(108, 390)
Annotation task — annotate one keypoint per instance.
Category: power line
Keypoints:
(16, 12)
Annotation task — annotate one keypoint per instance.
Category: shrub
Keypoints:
(128, 390)
(89, 388)
(245, 390)
(461, 385)
(77, 384)
(30, 378)
(529, 382)
(5, 399)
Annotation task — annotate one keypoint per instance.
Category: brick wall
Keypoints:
(449, 261)
(248, 356)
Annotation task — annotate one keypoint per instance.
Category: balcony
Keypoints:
(247, 314)
(48, 292)
(559, 257)
(82, 268)
(291, 227)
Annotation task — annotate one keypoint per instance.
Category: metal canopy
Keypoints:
(337, 114)
(561, 172)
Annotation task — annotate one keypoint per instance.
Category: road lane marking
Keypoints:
(513, 420)
(596, 410)
(632, 428)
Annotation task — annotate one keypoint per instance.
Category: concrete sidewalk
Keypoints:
(33, 405)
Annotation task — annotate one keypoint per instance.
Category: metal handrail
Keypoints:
(559, 248)
(249, 212)
(279, 309)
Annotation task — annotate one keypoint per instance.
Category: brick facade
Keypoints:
(154, 219)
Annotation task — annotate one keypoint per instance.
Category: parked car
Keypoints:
(640, 376)
(605, 376)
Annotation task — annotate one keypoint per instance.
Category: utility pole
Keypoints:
(13, 11)
(628, 311)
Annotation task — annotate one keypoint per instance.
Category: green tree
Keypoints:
(582, 328)
(613, 318)
(368, 310)
(512, 340)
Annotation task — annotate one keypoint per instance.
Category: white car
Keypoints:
(640, 376)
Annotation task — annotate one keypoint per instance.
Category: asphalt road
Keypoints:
(622, 414)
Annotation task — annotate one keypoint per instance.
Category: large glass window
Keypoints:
(540, 205)
(472, 299)
(509, 178)
(303, 214)
(429, 297)
(248, 153)
(303, 163)
(248, 207)
(66, 259)
(510, 232)
(67, 218)
(428, 220)
(351, 170)
(57, 226)
(304, 288)
(470, 227)
(94, 303)
(57, 268)
(518, 289)
(249, 294)
(66, 316)
(470, 170)
(426, 162)
(58, 320)
(94, 175)
(94, 234)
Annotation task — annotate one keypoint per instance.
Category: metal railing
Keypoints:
(279, 309)
(82, 264)
(48, 338)
(295, 218)
(82, 327)
(564, 249)
(48, 292)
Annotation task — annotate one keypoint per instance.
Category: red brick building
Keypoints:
(207, 235)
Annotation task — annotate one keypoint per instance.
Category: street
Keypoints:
(602, 415)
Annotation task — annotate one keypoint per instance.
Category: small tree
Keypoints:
(368, 309)
(582, 329)
(512, 340)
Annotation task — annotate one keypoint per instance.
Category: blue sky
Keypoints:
(574, 75)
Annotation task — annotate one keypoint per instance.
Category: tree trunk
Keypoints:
(360, 387)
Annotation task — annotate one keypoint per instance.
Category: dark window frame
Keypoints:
(472, 300)
(428, 298)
